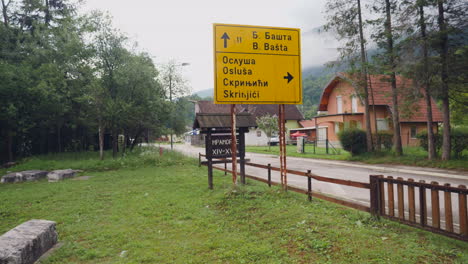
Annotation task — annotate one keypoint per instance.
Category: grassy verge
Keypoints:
(162, 212)
(413, 156)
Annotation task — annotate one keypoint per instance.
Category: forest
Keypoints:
(71, 82)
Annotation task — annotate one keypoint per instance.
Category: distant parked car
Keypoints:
(274, 141)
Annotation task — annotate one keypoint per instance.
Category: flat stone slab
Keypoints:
(59, 175)
(25, 243)
(82, 178)
(31, 175)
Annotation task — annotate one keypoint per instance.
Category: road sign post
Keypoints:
(258, 65)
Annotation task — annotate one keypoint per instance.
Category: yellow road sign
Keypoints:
(257, 65)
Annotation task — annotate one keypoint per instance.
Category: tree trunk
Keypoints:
(135, 140)
(115, 143)
(431, 152)
(10, 146)
(377, 146)
(47, 12)
(101, 141)
(446, 146)
(124, 143)
(5, 13)
(363, 78)
(59, 138)
(390, 50)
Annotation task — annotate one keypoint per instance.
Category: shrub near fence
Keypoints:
(458, 138)
(353, 140)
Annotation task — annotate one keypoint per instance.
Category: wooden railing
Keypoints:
(307, 174)
(390, 203)
(389, 199)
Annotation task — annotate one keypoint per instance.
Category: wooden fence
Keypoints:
(381, 187)
(387, 202)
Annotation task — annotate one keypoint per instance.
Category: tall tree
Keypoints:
(444, 89)
(111, 56)
(344, 17)
(175, 86)
(415, 47)
(421, 4)
(384, 36)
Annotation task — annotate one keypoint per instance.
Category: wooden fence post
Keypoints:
(463, 213)
(448, 209)
(225, 167)
(411, 203)
(374, 195)
(391, 200)
(435, 206)
(422, 204)
(269, 175)
(382, 195)
(309, 186)
(401, 202)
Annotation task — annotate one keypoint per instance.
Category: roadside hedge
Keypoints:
(459, 140)
(353, 140)
(385, 138)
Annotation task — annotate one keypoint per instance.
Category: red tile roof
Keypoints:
(380, 93)
(307, 123)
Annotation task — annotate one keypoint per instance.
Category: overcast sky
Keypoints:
(182, 29)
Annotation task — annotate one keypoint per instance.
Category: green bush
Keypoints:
(385, 138)
(422, 136)
(353, 140)
(459, 140)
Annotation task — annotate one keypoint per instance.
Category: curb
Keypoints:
(389, 169)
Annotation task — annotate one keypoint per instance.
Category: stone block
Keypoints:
(25, 243)
(31, 175)
(59, 175)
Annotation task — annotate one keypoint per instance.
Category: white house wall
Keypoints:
(251, 138)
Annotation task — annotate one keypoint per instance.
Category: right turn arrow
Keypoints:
(288, 77)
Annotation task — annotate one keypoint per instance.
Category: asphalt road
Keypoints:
(348, 171)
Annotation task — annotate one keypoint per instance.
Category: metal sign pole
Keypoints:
(282, 143)
(285, 177)
(233, 144)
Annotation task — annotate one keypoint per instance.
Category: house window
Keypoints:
(354, 104)
(339, 105)
(259, 133)
(414, 131)
(338, 127)
(382, 124)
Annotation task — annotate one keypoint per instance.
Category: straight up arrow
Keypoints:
(225, 37)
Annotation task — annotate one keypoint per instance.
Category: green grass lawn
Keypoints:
(413, 156)
(159, 210)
